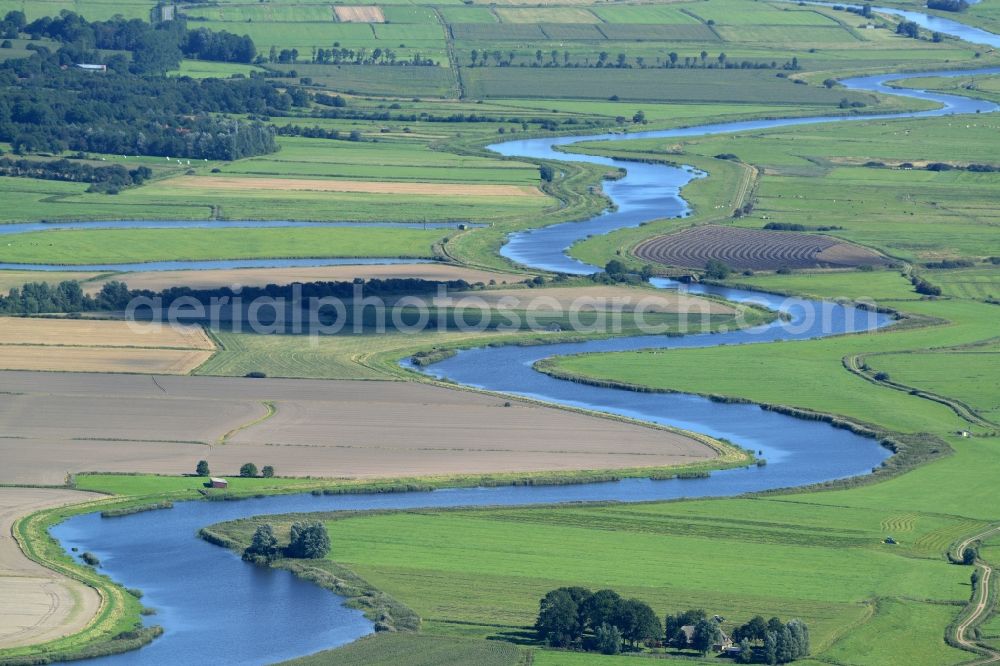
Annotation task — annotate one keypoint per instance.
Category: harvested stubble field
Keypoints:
(754, 249)
(360, 186)
(250, 277)
(58, 423)
(359, 14)
(76, 345)
(39, 604)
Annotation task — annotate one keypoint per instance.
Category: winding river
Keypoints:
(211, 603)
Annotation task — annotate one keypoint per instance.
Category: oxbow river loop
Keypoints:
(210, 602)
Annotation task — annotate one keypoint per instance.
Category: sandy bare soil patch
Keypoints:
(251, 277)
(38, 604)
(99, 333)
(359, 186)
(600, 297)
(754, 249)
(359, 14)
(320, 428)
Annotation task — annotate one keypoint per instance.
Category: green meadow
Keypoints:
(120, 246)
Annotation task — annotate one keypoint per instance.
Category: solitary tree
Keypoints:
(202, 468)
(267, 471)
(248, 470)
(716, 270)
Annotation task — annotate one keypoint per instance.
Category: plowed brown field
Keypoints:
(71, 422)
(754, 249)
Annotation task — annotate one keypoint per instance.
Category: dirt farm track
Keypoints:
(59, 423)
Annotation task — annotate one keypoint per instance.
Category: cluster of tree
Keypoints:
(316, 132)
(604, 621)
(771, 642)
(908, 29)
(950, 263)
(864, 10)
(601, 621)
(47, 106)
(948, 5)
(975, 168)
(155, 49)
(38, 297)
(68, 296)
(717, 270)
(12, 24)
(743, 210)
(922, 286)
(308, 541)
(848, 104)
(102, 178)
(616, 271)
(249, 471)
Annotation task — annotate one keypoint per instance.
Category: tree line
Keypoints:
(68, 296)
(338, 111)
(603, 60)
(339, 55)
(308, 541)
(948, 5)
(606, 622)
(102, 178)
(47, 105)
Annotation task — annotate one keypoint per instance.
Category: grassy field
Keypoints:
(202, 69)
(98, 246)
